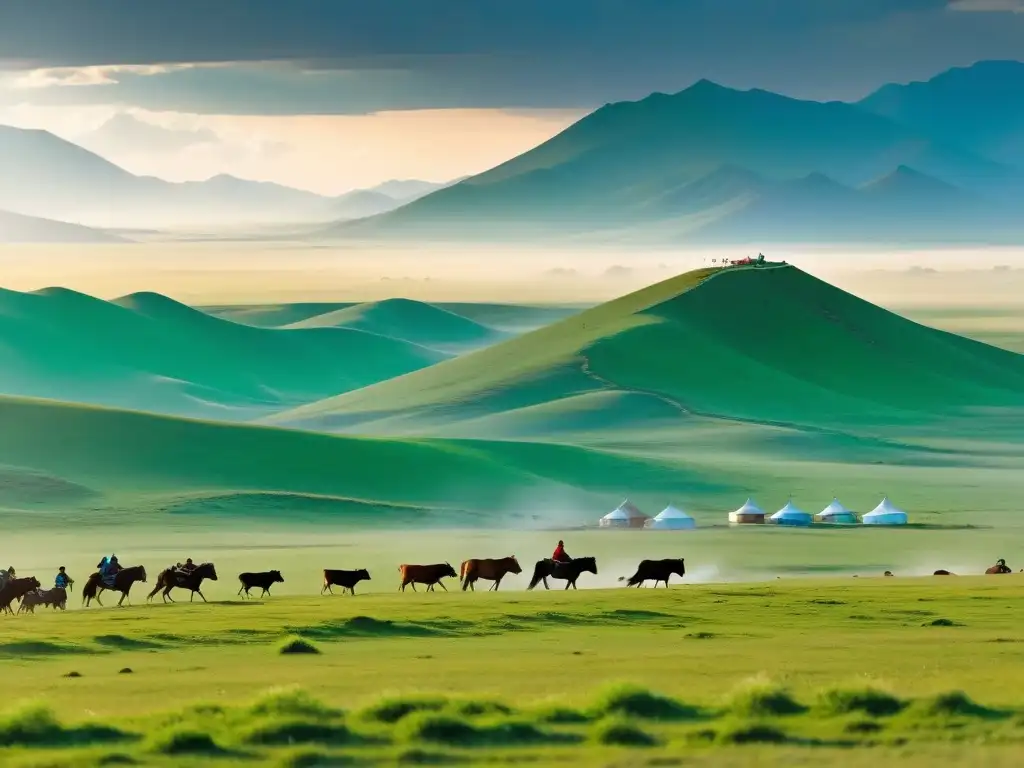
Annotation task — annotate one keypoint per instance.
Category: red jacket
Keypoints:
(560, 556)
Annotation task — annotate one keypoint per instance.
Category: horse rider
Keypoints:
(108, 568)
(63, 580)
(188, 568)
(6, 576)
(560, 555)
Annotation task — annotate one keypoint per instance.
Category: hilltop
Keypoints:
(674, 166)
(771, 345)
(149, 352)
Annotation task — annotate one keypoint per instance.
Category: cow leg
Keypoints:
(442, 586)
(200, 592)
(239, 593)
(326, 587)
(413, 585)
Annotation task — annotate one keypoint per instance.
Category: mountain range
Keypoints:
(719, 164)
(45, 176)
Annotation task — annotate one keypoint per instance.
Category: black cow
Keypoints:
(264, 581)
(16, 589)
(344, 579)
(656, 571)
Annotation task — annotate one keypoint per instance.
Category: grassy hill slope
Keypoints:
(414, 321)
(149, 352)
(64, 456)
(769, 345)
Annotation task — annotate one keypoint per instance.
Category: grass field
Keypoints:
(787, 672)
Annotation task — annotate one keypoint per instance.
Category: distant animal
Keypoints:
(264, 581)
(999, 567)
(16, 589)
(55, 598)
(171, 578)
(491, 570)
(344, 579)
(426, 574)
(124, 580)
(942, 572)
(887, 573)
(567, 571)
(30, 600)
(656, 571)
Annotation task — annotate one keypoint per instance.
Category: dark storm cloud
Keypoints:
(397, 54)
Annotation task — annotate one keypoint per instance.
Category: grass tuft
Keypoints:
(557, 714)
(866, 701)
(292, 702)
(941, 623)
(297, 646)
(292, 731)
(443, 728)
(36, 725)
(185, 741)
(953, 704)
(631, 701)
(752, 733)
(862, 727)
(619, 732)
(762, 699)
(477, 708)
(392, 710)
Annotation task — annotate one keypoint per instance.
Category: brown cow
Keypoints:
(999, 567)
(492, 570)
(426, 574)
(943, 572)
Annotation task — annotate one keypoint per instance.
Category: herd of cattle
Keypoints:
(29, 593)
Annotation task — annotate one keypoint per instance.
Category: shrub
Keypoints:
(764, 700)
(868, 701)
(618, 732)
(392, 710)
(753, 733)
(631, 701)
(297, 646)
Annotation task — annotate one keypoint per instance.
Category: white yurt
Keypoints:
(626, 515)
(885, 514)
(748, 514)
(837, 514)
(614, 519)
(790, 515)
(671, 519)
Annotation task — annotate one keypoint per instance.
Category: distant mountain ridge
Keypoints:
(634, 168)
(48, 177)
(16, 228)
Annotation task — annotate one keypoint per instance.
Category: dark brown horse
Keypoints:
(16, 589)
(171, 578)
(492, 570)
(999, 567)
(123, 582)
(568, 571)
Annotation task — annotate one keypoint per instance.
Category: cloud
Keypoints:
(90, 76)
(331, 57)
(988, 6)
(124, 132)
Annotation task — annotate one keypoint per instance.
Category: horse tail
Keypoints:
(466, 571)
(90, 589)
(622, 578)
(462, 570)
(538, 574)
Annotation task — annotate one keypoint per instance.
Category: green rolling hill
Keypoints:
(767, 346)
(414, 321)
(149, 352)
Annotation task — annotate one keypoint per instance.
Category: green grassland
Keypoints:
(148, 352)
(893, 671)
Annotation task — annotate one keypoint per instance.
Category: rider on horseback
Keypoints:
(6, 576)
(187, 568)
(560, 555)
(108, 568)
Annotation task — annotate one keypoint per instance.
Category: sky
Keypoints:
(331, 95)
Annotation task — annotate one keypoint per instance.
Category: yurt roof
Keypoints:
(629, 509)
(835, 508)
(616, 514)
(789, 511)
(749, 508)
(885, 507)
(671, 512)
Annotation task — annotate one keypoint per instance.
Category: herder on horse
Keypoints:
(560, 555)
(108, 568)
